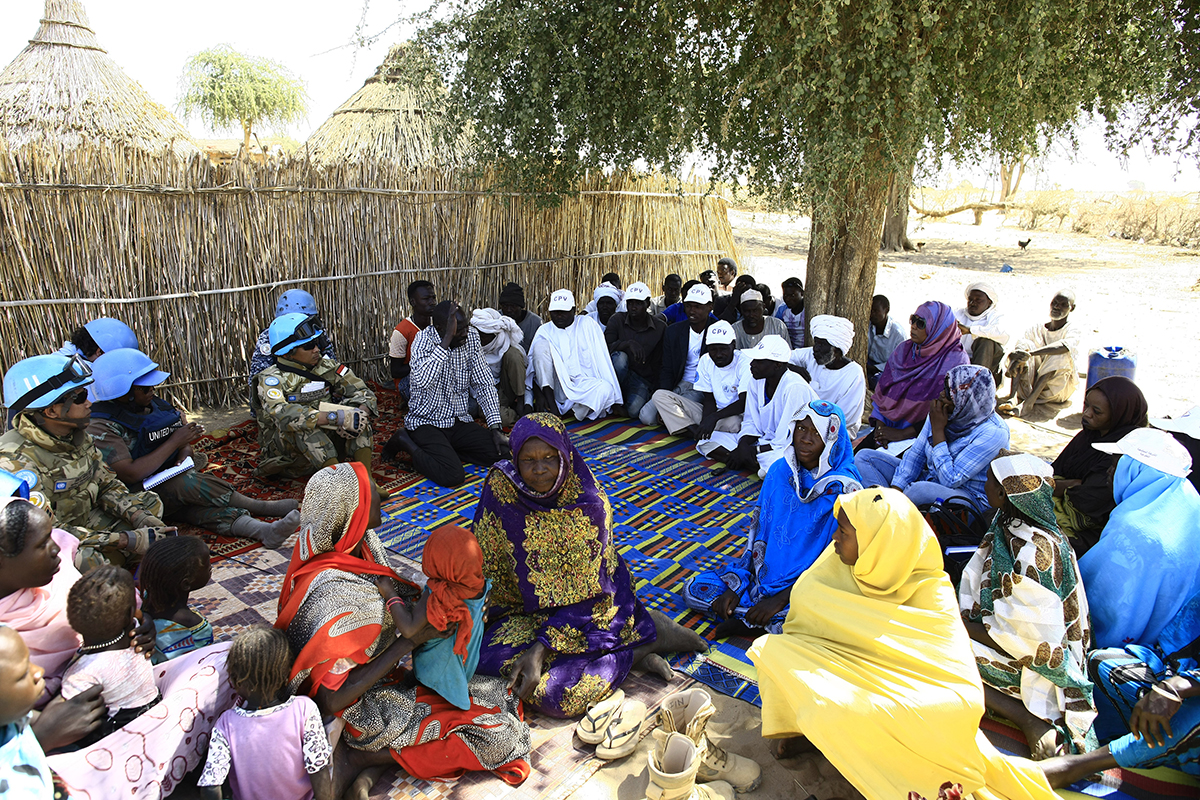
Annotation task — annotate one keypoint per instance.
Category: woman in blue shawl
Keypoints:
(793, 525)
(1148, 704)
(1143, 569)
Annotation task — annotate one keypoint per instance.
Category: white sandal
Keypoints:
(625, 732)
(600, 715)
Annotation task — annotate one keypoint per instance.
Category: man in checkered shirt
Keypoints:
(448, 369)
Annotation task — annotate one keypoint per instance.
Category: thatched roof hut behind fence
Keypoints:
(395, 117)
(64, 92)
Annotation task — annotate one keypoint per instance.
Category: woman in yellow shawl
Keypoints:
(874, 667)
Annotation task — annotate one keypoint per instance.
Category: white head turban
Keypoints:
(608, 290)
(838, 331)
(986, 288)
(508, 334)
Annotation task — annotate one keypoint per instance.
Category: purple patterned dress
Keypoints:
(557, 578)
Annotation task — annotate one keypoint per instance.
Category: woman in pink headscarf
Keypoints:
(916, 373)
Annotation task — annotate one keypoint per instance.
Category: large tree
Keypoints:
(817, 103)
(225, 87)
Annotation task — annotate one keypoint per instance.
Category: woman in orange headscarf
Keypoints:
(348, 650)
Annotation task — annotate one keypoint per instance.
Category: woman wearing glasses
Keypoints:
(915, 375)
(49, 448)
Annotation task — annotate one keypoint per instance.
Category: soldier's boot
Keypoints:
(688, 712)
(264, 508)
(673, 766)
(271, 534)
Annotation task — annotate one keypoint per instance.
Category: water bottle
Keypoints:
(1104, 362)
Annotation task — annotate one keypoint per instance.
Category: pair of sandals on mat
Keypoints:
(615, 725)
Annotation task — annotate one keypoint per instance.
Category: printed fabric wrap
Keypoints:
(1023, 584)
(557, 578)
(335, 620)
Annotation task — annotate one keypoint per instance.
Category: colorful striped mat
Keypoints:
(672, 518)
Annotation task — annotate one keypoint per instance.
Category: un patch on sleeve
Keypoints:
(29, 476)
(60, 486)
(271, 380)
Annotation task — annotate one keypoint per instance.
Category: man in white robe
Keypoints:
(1043, 367)
(832, 376)
(773, 394)
(569, 365)
(982, 327)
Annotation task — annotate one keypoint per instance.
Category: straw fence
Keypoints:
(193, 256)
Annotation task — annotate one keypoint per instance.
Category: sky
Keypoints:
(315, 39)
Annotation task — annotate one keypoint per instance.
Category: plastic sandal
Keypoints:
(591, 728)
(625, 732)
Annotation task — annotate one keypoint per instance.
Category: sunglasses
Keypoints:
(916, 322)
(80, 398)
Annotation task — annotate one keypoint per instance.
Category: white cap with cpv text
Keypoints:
(562, 300)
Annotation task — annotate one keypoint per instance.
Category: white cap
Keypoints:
(1154, 448)
(637, 291)
(771, 348)
(562, 300)
(720, 333)
(699, 294)
(750, 294)
(1188, 424)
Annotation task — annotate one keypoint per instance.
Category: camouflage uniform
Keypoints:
(195, 497)
(288, 419)
(69, 477)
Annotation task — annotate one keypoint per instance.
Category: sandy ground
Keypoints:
(1129, 294)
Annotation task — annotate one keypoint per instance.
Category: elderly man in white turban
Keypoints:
(500, 342)
(982, 328)
(833, 376)
(773, 396)
(569, 366)
(606, 301)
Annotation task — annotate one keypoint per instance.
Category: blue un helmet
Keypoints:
(12, 486)
(296, 301)
(291, 330)
(111, 334)
(118, 371)
(42, 381)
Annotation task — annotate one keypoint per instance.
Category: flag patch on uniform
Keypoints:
(60, 486)
(342, 370)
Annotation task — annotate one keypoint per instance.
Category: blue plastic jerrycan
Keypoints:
(1105, 362)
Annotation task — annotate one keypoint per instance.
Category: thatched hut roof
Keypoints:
(63, 91)
(395, 117)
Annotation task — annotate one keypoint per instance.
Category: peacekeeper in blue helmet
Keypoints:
(49, 448)
(140, 435)
(296, 437)
(97, 337)
(293, 301)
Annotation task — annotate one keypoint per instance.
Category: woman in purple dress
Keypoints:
(565, 626)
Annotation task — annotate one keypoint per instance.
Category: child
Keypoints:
(101, 609)
(23, 769)
(275, 738)
(456, 593)
(170, 570)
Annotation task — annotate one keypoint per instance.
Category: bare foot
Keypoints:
(361, 788)
(351, 764)
(791, 747)
(657, 665)
(1044, 740)
(674, 638)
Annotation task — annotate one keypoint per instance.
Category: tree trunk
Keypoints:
(843, 255)
(1010, 177)
(246, 139)
(895, 223)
